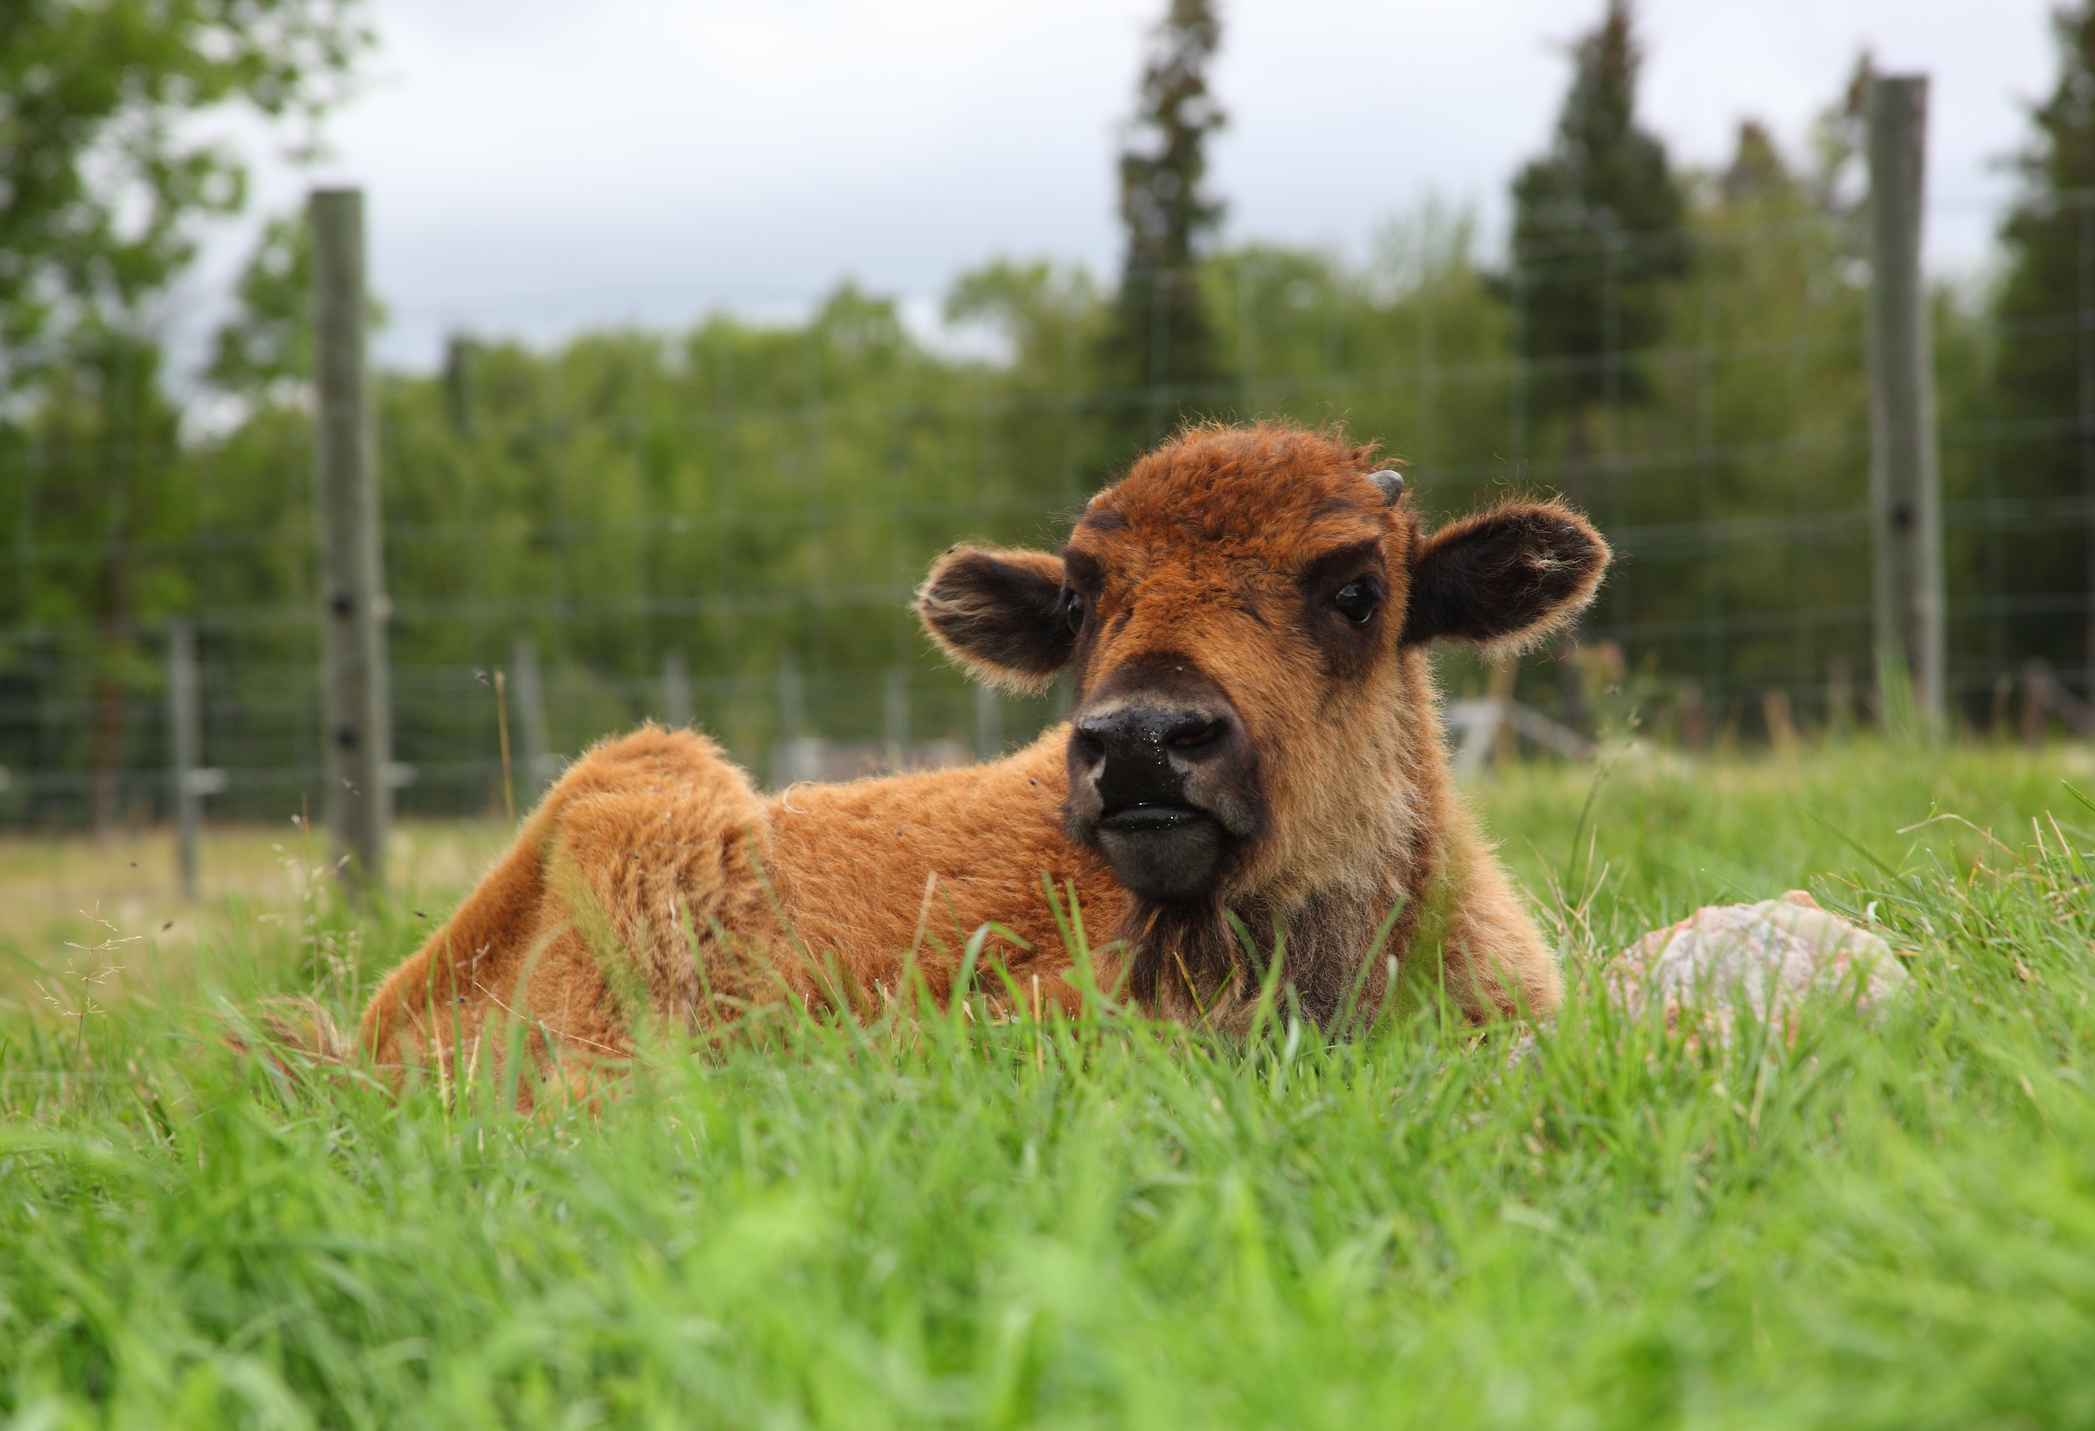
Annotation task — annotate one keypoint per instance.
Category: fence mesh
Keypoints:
(726, 526)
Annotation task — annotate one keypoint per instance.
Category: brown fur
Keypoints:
(654, 883)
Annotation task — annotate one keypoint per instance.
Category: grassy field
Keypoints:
(931, 1221)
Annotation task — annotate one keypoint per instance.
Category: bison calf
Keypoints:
(1254, 750)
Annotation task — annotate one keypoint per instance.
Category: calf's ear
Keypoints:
(999, 615)
(1504, 579)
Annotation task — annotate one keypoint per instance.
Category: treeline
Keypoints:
(1679, 352)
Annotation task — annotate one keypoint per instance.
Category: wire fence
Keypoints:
(725, 526)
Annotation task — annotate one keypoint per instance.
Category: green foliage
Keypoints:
(754, 499)
(927, 1220)
(97, 181)
(742, 495)
(271, 340)
(1596, 232)
(101, 180)
(1046, 423)
(752, 496)
(97, 517)
(1746, 475)
(2045, 390)
(1159, 361)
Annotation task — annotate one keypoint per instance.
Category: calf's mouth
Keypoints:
(1168, 853)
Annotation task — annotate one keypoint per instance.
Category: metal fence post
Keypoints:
(676, 691)
(185, 748)
(794, 754)
(1905, 483)
(458, 383)
(2084, 420)
(354, 700)
(989, 724)
(894, 713)
(531, 716)
(792, 700)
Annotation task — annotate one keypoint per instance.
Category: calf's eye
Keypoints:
(1356, 602)
(1075, 612)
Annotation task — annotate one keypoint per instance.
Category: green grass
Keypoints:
(925, 1221)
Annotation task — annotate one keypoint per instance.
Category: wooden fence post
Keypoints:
(355, 702)
(1905, 484)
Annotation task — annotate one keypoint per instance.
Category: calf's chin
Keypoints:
(1168, 855)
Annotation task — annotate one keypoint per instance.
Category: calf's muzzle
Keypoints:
(1162, 786)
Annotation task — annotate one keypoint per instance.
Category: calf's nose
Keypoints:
(1138, 753)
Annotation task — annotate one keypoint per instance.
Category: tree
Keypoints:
(95, 493)
(1160, 342)
(1596, 234)
(269, 339)
(2045, 378)
(97, 183)
(1050, 318)
(101, 185)
(264, 350)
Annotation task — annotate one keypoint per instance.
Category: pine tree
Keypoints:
(2045, 379)
(1159, 347)
(1596, 234)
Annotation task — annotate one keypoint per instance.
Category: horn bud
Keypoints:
(1392, 484)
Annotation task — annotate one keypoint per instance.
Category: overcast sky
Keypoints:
(535, 166)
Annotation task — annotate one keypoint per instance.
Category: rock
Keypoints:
(1766, 957)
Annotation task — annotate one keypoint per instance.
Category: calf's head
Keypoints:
(1244, 617)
